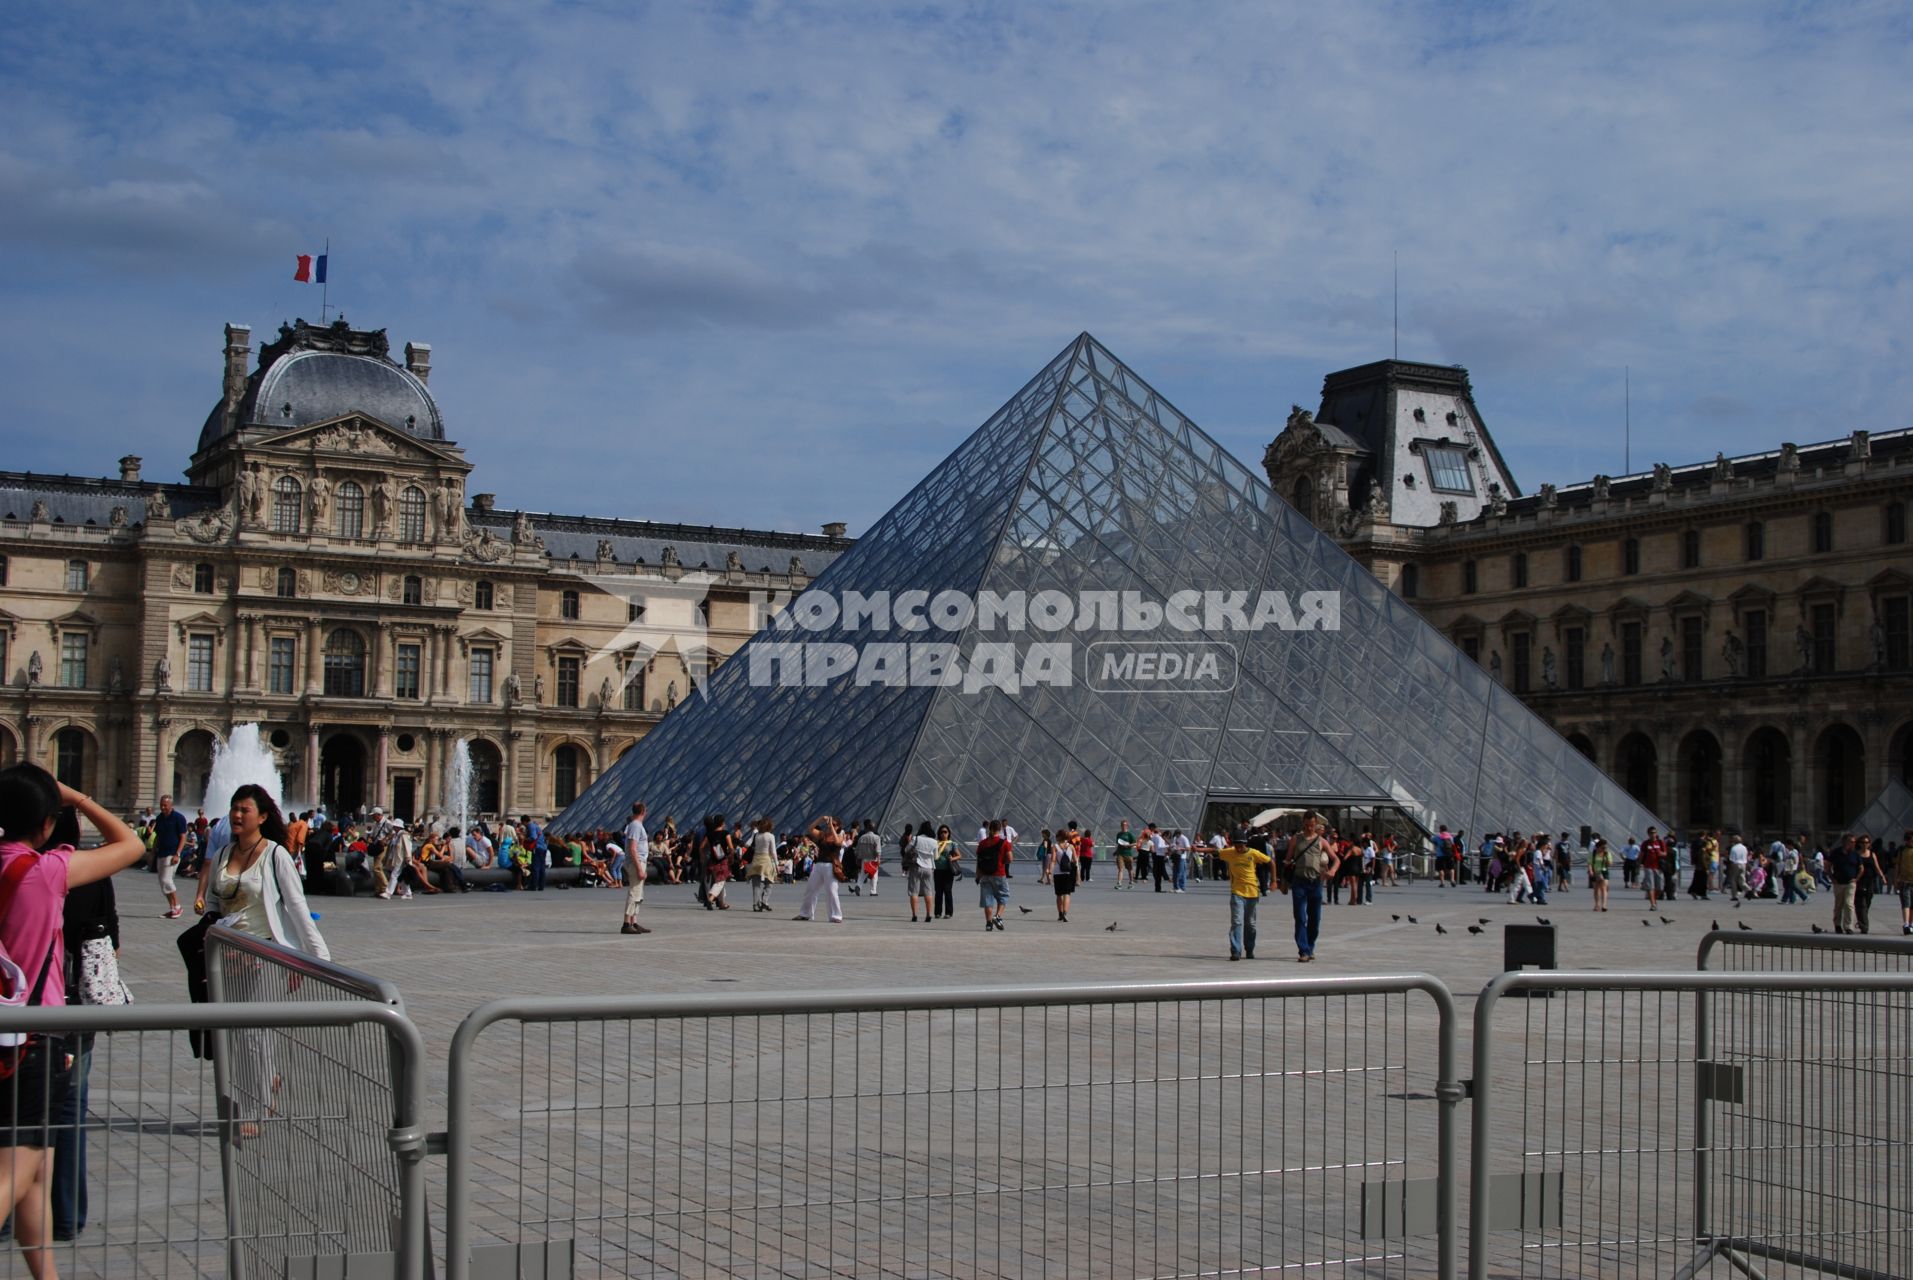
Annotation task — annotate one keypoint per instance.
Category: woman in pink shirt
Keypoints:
(33, 884)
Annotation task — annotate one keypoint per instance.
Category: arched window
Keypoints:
(69, 757)
(286, 513)
(482, 596)
(564, 775)
(345, 664)
(412, 515)
(568, 605)
(414, 589)
(287, 586)
(351, 510)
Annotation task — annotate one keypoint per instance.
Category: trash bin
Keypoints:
(1528, 946)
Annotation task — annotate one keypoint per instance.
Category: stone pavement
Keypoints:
(1190, 1138)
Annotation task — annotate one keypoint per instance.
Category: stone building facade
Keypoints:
(1729, 639)
(324, 574)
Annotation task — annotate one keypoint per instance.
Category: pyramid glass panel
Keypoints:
(1149, 629)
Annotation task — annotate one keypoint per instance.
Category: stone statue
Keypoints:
(1789, 459)
(1876, 644)
(163, 674)
(1667, 657)
(1735, 652)
(319, 499)
(381, 508)
(115, 677)
(116, 519)
(521, 531)
(512, 691)
(604, 692)
(733, 563)
(251, 495)
(538, 688)
(1601, 484)
(1607, 664)
(670, 558)
(39, 513)
(796, 566)
(1494, 665)
(157, 508)
(1548, 499)
(1663, 477)
(670, 695)
(451, 511)
(1803, 646)
(1449, 513)
(605, 550)
(34, 670)
(1860, 446)
(1723, 469)
(1550, 674)
(1497, 500)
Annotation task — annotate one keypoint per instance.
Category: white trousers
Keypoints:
(822, 881)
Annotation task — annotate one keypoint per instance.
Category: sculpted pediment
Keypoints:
(358, 435)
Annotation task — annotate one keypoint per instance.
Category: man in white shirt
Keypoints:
(1737, 867)
(637, 857)
(1180, 850)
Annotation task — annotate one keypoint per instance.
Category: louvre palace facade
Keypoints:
(323, 572)
(1728, 638)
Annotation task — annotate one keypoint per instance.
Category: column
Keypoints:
(384, 649)
(162, 776)
(1801, 746)
(379, 781)
(445, 662)
(249, 678)
(314, 670)
(434, 755)
(1666, 778)
(312, 764)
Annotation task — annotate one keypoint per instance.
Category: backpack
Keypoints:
(1065, 858)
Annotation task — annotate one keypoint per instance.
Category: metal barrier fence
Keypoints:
(1617, 1107)
(140, 1139)
(1765, 952)
(328, 1116)
(1142, 1130)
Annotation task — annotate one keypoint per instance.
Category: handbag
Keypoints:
(100, 980)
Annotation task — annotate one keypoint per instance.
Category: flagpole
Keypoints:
(325, 286)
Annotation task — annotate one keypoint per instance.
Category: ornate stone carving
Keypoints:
(480, 545)
(115, 676)
(1497, 500)
(1548, 498)
(350, 582)
(353, 437)
(1803, 648)
(1607, 665)
(1734, 652)
(538, 688)
(383, 496)
(117, 519)
(451, 511)
(318, 500)
(606, 551)
(1550, 674)
(157, 507)
(467, 593)
(1667, 659)
(522, 534)
(34, 668)
(1723, 469)
(1789, 459)
(796, 569)
(163, 675)
(1601, 484)
(208, 526)
(1449, 512)
(1860, 446)
(1876, 645)
(39, 513)
(1494, 665)
(183, 577)
(252, 497)
(268, 578)
(512, 690)
(1663, 477)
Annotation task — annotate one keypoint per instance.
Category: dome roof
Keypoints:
(300, 382)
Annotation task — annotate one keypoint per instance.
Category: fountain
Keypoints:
(240, 759)
(457, 805)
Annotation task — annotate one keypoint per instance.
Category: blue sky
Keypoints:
(766, 263)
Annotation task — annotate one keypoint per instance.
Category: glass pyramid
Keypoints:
(1088, 498)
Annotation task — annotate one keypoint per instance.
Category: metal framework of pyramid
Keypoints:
(1087, 482)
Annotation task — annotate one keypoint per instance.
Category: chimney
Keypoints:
(482, 502)
(238, 349)
(835, 529)
(129, 469)
(418, 359)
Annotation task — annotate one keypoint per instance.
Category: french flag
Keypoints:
(311, 269)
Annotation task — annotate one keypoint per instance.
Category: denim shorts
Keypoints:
(993, 891)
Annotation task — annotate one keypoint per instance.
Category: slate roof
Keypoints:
(698, 546)
(83, 500)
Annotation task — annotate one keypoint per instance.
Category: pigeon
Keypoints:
(1816, 928)
(1647, 924)
(1475, 928)
(1396, 919)
(1716, 928)
(1483, 920)
(1020, 907)
(1743, 926)
(1736, 904)
(1665, 920)
(1110, 927)
(1543, 920)
(1439, 929)
(1412, 920)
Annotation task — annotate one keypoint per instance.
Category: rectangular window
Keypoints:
(568, 605)
(1895, 531)
(1825, 639)
(281, 664)
(1468, 578)
(1630, 653)
(76, 575)
(1575, 641)
(1894, 621)
(73, 661)
(1756, 540)
(1757, 643)
(1520, 569)
(199, 664)
(1631, 556)
(406, 672)
(1523, 661)
(1448, 470)
(482, 675)
(203, 579)
(1691, 656)
(1471, 645)
(1574, 564)
(568, 682)
(634, 688)
(1822, 532)
(1690, 549)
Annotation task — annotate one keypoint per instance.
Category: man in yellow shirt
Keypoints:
(1244, 895)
